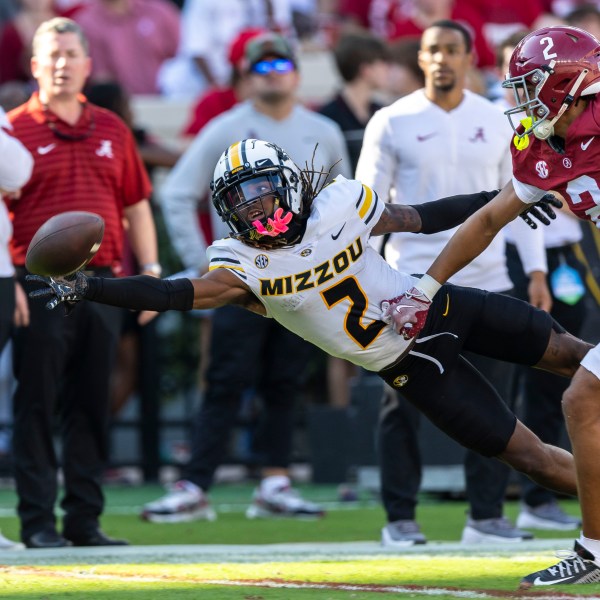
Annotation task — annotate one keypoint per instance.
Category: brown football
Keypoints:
(65, 243)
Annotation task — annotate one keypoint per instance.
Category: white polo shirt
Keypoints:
(414, 152)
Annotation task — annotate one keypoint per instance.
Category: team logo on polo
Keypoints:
(400, 381)
(541, 167)
(567, 164)
(262, 261)
(105, 149)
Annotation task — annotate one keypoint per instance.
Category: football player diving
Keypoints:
(299, 252)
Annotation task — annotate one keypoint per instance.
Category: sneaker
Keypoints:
(492, 530)
(281, 501)
(400, 534)
(575, 567)
(6, 544)
(549, 516)
(184, 501)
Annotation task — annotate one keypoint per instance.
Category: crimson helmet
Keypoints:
(550, 69)
(248, 173)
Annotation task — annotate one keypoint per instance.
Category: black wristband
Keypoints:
(142, 292)
(449, 212)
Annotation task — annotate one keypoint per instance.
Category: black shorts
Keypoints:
(446, 387)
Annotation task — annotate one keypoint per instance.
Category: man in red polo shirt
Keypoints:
(85, 159)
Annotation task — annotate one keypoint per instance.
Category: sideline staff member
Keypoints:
(85, 159)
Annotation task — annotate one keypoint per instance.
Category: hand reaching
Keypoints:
(66, 291)
(546, 205)
(407, 313)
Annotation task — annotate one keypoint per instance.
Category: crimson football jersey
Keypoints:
(574, 174)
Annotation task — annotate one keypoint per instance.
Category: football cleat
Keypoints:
(184, 501)
(575, 567)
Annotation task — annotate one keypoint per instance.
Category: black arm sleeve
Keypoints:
(447, 213)
(142, 292)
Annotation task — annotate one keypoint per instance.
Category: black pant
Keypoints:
(247, 350)
(542, 391)
(62, 364)
(400, 457)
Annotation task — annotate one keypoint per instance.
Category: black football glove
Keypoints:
(544, 205)
(66, 291)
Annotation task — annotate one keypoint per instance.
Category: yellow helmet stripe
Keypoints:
(235, 155)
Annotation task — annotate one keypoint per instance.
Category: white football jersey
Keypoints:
(328, 288)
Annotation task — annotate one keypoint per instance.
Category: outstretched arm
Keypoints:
(446, 213)
(214, 289)
(430, 217)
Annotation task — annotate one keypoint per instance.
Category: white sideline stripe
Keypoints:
(267, 583)
(263, 553)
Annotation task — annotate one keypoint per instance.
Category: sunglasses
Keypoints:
(279, 65)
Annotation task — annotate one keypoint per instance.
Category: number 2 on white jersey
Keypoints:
(349, 289)
(548, 53)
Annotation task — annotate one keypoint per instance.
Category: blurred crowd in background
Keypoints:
(182, 48)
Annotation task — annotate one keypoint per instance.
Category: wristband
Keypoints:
(429, 286)
(153, 268)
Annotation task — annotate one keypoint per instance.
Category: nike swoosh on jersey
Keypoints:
(422, 138)
(584, 145)
(45, 149)
(335, 237)
(540, 581)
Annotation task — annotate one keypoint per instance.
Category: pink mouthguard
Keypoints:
(276, 225)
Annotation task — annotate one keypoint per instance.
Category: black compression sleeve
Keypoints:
(447, 213)
(142, 292)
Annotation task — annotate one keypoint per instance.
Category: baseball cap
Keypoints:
(268, 44)
(238, 46)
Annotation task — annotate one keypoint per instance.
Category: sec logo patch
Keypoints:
(541, 168)
(262, 261)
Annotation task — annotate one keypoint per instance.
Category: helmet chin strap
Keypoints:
(546, 128)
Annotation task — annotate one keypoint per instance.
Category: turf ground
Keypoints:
(338, 557)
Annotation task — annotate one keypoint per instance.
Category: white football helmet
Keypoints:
(252, 180)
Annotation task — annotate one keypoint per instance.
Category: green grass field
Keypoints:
(218, 569)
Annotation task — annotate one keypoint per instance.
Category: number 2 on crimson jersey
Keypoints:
(589, 186)
(349, 289)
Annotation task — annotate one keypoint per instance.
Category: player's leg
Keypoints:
(466, 407)
(582, 417)
(547, 465)
(581, 408)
